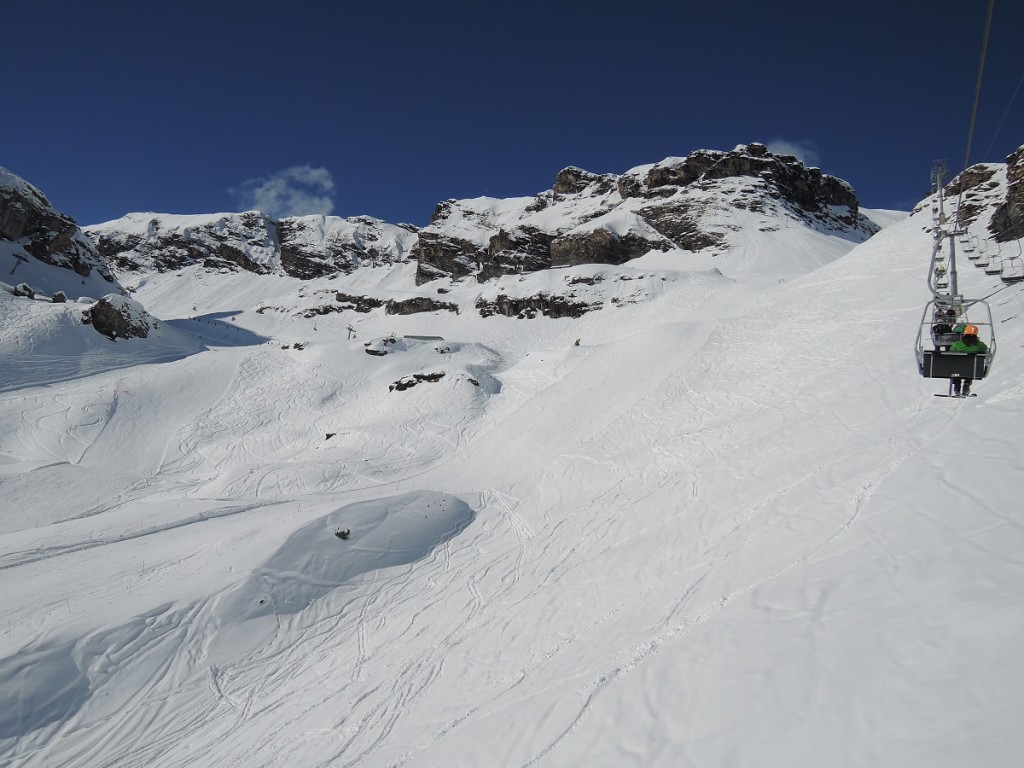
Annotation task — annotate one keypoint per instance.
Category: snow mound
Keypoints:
(44, 342)
(314, 561)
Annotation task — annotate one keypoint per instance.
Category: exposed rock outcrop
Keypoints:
(527, 249)
(973, 189)
(602, 246)
(408, 382)
(526, 308)
(438, 255)
(1008, 219)
(417, 305)
(358, 303)
(28, 219)
(118, 317)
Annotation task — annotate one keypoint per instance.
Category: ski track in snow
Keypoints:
(619, 507)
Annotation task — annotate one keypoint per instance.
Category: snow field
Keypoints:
(732, 527)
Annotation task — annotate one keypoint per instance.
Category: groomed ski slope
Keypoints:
(732, 527)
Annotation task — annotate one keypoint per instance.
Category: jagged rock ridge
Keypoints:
(589, 218)
(305, 247)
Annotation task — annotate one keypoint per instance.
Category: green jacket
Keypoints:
(978, 347)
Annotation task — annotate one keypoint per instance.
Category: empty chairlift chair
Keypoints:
(1013, 266)
(969, 246)
(982, 258)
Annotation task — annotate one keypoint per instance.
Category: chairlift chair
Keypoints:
(1013, 270)
(935, 336)
(1013, 266)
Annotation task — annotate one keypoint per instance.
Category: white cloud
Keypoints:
(297, 191)
(803, 150)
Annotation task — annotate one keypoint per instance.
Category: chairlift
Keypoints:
(1013, 267)
(937, 333)
(1013, 272)
(995, 267)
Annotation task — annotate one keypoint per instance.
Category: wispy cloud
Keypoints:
(803, 150)
(297, 191)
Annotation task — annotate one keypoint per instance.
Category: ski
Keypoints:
(958, 397)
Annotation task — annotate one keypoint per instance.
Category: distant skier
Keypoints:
(970, 343)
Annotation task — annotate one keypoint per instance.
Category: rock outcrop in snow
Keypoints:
(980, 192)
(118, 317)
(35, 230)
(1008, 219)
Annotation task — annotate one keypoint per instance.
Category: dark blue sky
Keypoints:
(193, 107)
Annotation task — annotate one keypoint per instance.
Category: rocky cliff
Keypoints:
(589, 218)
(1008, 219)
(33, 231)
(303, 246)
(585, 218)
(978, 191)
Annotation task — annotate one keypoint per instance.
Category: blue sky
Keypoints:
(387, 108)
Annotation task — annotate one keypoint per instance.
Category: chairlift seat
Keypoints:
(943, 335)
(942, 364)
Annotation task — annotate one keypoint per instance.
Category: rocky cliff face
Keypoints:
(303, 246)
(36, 231)
(979, 192)
(589, 218)
(1008, 220)
(681, 203)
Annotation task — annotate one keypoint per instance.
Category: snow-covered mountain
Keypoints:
(301, 246)
(705, 203)
(709, 514)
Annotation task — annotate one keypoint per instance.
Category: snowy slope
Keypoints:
(730, 526)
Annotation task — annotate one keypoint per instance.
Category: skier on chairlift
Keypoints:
(971, 344)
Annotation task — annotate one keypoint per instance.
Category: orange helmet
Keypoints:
(970, 330)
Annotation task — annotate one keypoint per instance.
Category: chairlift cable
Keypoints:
(977, 98)
(999, 127)
(945, 309)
